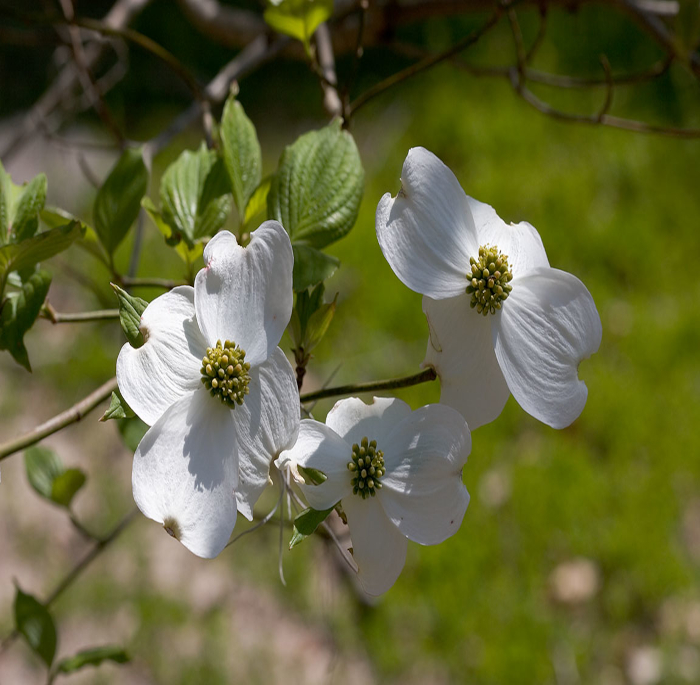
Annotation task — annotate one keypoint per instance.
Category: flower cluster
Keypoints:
(223, 405)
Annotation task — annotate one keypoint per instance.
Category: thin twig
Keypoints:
(66, 418)
(136, 282)
(421, 66)
(326, 63)
(48, 312)
(75, 572)
(424, 376)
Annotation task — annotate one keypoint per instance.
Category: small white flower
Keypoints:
(221, 397)
(396, 472)
(523, 330)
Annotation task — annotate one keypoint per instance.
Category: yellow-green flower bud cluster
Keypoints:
(225, 373)
(367, 467)
(489, 280)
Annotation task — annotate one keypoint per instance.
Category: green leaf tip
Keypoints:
(130, 310)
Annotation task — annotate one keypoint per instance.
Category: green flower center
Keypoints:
(489, 280)
(225, 373)
(367, 467)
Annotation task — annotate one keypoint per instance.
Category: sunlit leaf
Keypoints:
(92, 657)
(241, 153)
(306, 523)
(298, 18)
(130, 310)
(118, 409)
(119, 199)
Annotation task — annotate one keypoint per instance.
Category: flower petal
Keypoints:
(185, 472)
(244, 294)
(378, 546)
(460, 349)
(319, 447)
(426, 232)
(167, 366)
(353, 420)
(521, 243)
(546, 327)
(422, 492)
(266, 423)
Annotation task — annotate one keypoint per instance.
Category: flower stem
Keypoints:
(66, 418)
(391, 384)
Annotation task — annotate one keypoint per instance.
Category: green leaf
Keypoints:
(187, 254)
(318, 324)
(29, 204)
(33, 621)
(130, 310)
(306, 523)
(19, 312)
(119, 199)
(132, 431)
(118, 409)
(49, 478)
(258, 201)
(19, 256)
(298, 18)
(19, 206)
(195, 195)
(311, 266)
(92, 657)
(66, 485)
(43, 467)
(317, 189)
(312, 476)
(241, 153)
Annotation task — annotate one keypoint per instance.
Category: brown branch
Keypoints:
(421, 66)
(66, 418)
(326, 63)
(49, 313)
(122, 12)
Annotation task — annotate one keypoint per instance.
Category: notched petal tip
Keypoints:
(172, 528)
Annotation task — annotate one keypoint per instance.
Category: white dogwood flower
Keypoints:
(501, 320)
(219, 395)
(397, 474)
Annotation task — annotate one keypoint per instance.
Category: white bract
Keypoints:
(396, 472)
(219, 395)
(501, 320)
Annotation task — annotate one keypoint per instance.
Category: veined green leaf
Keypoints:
(258, 201)
(187, 254)
(19, 312)
(195, 195)
(130, 310)
(317, 189)
(119, 199)
(118, 409)
(26, 214)
(306, 523)
(241, 153)
(20, 256)
(311, 266)
(33, 621)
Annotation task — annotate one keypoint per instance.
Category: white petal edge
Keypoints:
(319, 447)
(548, 325)
(460, 349)
(353, 420)
(426, 232)
(266, 423)
(379, 548)
(167, 366)
(423, 493)
(521, 243)
(185, 473)
(244, 294)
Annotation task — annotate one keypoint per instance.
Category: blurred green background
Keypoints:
(579, 558)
